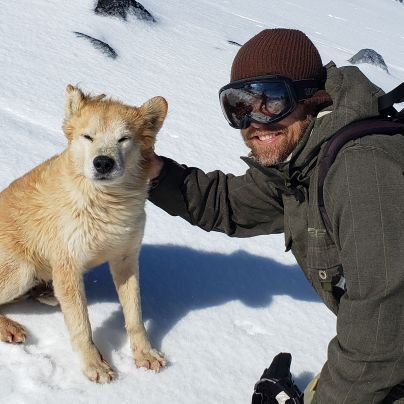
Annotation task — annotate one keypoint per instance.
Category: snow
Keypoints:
(219, 308)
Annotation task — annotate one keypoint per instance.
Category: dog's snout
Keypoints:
(103, 164)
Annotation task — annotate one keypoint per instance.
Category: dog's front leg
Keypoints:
(69, 290)
(125, 273)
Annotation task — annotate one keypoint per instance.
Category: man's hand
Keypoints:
(276, 385)
(156, 166)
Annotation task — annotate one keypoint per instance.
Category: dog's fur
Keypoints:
(77, 210)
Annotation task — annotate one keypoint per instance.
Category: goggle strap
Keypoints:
(306, 88)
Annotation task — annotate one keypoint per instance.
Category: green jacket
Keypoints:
(364, 199)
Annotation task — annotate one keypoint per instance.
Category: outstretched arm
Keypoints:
(240, 206)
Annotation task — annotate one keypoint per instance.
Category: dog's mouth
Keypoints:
(103, 178)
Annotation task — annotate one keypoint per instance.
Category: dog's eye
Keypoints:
(88, 137)
(123, 139)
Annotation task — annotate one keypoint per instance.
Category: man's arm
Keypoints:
(365, 200)
(240, 206)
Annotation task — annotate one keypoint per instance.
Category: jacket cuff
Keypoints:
(166, 190)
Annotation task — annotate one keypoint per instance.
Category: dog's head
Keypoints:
(108, 140)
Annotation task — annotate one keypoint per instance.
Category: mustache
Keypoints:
(274, 127)
(277, 128)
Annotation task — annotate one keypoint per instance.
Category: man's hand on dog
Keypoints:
(156, 166)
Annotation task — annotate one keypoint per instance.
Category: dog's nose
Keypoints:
(103, 164)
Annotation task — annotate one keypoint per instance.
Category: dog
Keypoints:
(81, 208)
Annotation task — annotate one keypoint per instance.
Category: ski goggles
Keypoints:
(264, 99)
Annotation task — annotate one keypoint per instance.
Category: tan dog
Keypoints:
(79, 209)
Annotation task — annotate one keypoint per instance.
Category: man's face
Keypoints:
(272, 143)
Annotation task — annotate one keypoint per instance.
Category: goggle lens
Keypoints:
(263, 102)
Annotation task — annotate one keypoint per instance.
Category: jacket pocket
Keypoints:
(324, 267)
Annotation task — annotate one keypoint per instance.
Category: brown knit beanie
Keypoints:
(287, 52)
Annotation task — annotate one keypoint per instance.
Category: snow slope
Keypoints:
(219, 308)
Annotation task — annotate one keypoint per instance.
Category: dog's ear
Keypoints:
(154, 112)
(74, 100)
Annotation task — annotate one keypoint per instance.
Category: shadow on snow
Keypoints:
(176, 280)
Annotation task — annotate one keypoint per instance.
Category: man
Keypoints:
(287, 105)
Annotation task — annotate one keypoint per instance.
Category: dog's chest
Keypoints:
(103, 230)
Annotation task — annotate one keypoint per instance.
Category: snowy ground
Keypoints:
(219, 308)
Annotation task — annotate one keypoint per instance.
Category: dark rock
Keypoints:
(140, 12)
(234, 43)
(98, 44)
(121, 9)
(369, 56)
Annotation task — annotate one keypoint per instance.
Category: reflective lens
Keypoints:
(264, 100)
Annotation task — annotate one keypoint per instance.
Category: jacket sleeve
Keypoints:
(365, 199)
(240, 206)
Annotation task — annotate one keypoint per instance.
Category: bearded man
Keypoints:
(287, 105)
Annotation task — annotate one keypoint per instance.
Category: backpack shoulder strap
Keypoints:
(387, 101)
(352, 131)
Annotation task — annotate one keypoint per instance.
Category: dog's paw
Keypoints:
(11, 331)
(151, 359)
(98, 370)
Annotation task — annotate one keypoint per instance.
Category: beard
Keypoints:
(281, 141)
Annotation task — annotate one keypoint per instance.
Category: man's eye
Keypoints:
(88, 137)
(123, 139)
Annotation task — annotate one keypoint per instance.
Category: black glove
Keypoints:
(276, 385)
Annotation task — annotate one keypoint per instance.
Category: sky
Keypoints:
(219, 308)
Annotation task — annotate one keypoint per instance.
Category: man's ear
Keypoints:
(74, 100)
(154, 111)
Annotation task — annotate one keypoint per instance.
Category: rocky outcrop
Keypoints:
(121, 9)
(98, 44)
(369, 56)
